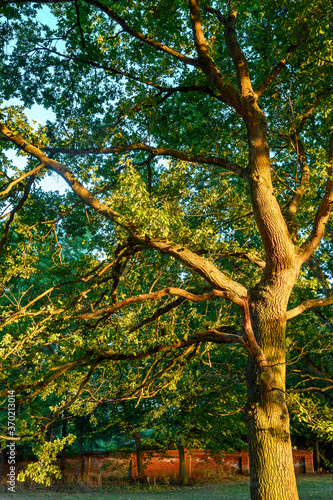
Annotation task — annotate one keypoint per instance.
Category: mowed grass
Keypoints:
(309, 487)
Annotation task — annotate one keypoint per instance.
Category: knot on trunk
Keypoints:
(267, 380)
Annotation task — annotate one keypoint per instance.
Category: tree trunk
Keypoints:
(182, 468)
(80, 467)
(316, 456)
(63, 452)
(137, 439)
(272, 475)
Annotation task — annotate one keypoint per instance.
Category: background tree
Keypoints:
(204, 411)
(200, 139)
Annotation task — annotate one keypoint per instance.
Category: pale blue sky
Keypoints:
(40, 115)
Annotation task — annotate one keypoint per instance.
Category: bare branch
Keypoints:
(248, 256)
(79, 25)
(311, 365)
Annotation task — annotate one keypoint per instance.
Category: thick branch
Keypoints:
(254, 348)
(159, 151)
(234, 291)
(14, 182)
(236, 53)
(307, 304)
(229, 93)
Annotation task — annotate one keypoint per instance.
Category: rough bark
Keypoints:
(266, 412)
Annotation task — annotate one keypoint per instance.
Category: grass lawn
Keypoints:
(309, 487)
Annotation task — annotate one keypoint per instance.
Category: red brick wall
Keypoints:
(200, 464)
(99, 467)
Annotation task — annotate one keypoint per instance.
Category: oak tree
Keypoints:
(197, 140)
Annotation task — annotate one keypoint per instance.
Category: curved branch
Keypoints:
(158, 151)
(213, 336)
(229, 93)
(44, 383)
(13, 183)
(251, 344)
(155, 296)
(128, 29)
(65, 173)
(257, 261)
(235, 292)
(140, 36)
(169, 90)
(312, 367)
(307, 304)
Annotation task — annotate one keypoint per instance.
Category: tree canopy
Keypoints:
(196, 142)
